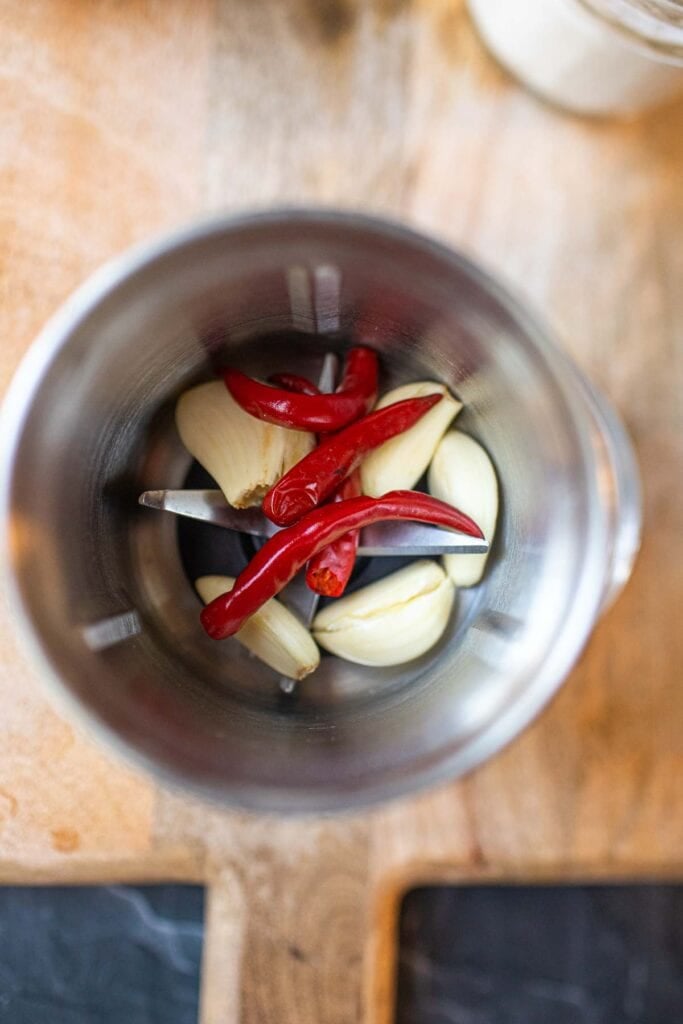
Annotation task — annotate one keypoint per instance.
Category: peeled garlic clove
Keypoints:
(244, 455)
(391, 621)
(273, 633)
(297, 444)
(400, 462)
(462, 474)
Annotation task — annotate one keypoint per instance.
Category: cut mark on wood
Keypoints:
(65, 840)
(331, 20)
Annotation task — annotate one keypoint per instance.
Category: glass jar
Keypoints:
(590, 56)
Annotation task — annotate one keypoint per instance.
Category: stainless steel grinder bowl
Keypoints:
(98, 583)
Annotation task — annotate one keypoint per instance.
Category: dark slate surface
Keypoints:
(513, 955)
(479, 955)
(108, 954)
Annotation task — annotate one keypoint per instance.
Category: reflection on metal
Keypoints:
(382, 540)
(314, 298)
(107, 632)
(300, 299)
(492, 620)
(327, 298)
(328, 373)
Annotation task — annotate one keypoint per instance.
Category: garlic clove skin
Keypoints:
(399, 463)
(244, 455)
(273, 633)
(391, 621)
(462, 474)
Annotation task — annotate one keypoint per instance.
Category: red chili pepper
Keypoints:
(330, 570)
(293, 382)
(319, 413)
(283, 554)
(318, 474)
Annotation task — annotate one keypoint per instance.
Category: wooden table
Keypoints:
(121, 118)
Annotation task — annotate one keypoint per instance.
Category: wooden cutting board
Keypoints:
(121, 118)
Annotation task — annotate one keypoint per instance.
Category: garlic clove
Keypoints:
(391, 621)
(273, 633)
(462, 474)
(244, 455)
(400, 462)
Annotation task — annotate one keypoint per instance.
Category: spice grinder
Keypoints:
(101, 587)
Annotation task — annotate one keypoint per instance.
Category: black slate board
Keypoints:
(109, 954)
(542, 955)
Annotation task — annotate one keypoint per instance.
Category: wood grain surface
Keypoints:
(120, 118)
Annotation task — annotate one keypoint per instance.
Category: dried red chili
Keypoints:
(281, 557)
(294, 382)
(330, 570)
(315, 477)
(321, 413)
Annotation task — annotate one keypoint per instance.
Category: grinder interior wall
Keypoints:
(101, 430)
